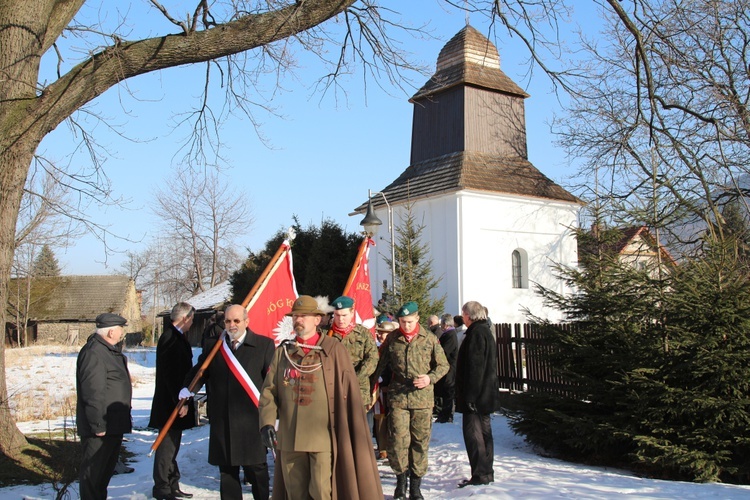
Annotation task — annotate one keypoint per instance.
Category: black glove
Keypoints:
(268, 436)
(472, 408)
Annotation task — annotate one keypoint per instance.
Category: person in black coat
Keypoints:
(477, 390)
(174, 359)
(445, 388)
(234, 438)
(103, 396)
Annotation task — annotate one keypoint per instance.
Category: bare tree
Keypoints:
(202, 218)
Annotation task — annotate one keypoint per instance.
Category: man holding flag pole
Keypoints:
(234, 379)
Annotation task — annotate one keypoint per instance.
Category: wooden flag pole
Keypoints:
(271, 265)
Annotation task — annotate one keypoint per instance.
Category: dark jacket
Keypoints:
(103, 389)
(174, 359)
(449, 343)
(476, 370)
(234, 435)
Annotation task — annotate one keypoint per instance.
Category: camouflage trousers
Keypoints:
(409, 440)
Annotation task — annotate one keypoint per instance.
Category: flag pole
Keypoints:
(271, 265)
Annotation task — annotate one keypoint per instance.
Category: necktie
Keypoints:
(234, 344)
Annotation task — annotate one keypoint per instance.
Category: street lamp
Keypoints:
(371, 223)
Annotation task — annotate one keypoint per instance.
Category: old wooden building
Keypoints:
(494, 223)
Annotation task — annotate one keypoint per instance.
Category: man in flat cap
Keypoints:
(359, 344)
(103, 404)
(311, 388)
(416, 361)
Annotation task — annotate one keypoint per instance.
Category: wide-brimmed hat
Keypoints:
(306, 305)
(386, 327)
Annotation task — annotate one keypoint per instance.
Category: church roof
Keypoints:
(475, 171)
(469, 58)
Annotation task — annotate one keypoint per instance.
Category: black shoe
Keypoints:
(474, 481)
(166, 497)
(444, 420)
(181, 494)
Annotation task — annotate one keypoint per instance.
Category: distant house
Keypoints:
(637, 247)
(206, 304)
(63, 310)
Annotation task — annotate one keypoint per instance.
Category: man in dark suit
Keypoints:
(174, 359)
(103, 393)
(477, 392)
(234, 379)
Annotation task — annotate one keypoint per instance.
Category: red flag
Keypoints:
(358, 287)
(273, 298)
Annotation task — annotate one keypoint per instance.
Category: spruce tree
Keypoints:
(414, 277)
(45, 265)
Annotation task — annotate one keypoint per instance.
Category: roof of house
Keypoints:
(76, 298)
(475, 171)
(469, 58)
(629, 234)
(213, 299)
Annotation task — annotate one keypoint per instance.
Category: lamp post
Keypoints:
(371, 223)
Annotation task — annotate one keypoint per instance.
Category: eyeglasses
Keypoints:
(235, 321)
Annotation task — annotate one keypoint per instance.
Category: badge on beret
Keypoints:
(407, 309)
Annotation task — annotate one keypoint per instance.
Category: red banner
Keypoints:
(274, 298)
(358, 287)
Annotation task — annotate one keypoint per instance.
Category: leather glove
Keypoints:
(472, 408)
(185, 394)
(268, 436)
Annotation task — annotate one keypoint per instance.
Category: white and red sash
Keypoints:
(239, 371)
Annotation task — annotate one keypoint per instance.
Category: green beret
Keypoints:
(343, 302)
(407, 309)
(382, 319)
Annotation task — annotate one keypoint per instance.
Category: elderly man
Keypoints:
(416, 361)
(477, 391)
(174, 359)
(312, 388)
(358, 342)
(234, 378)
(103, 394)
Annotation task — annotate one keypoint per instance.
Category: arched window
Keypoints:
(517, 270)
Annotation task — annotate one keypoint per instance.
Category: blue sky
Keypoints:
(326, 151)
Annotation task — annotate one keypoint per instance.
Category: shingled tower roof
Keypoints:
(469, 130)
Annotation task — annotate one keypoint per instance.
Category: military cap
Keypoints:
(382, 318)
(343, 302)
(306, 305)
(407, 309)
(107, 320)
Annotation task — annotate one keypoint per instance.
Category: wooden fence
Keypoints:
(522, 364)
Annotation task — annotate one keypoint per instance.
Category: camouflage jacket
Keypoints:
(361, 347)
(407, 360)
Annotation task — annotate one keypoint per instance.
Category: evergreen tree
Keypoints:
(661, 366)
(414, 278)
(323, 258)
(45, 265)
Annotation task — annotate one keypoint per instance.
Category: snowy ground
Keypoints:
(519, 472)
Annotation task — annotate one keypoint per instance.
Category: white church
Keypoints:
(494, 224)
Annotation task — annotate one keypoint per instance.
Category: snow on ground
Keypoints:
(519, 472)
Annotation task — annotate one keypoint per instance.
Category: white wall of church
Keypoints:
(474, 261)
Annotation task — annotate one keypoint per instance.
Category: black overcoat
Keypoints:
(449, 343)
(174, 359)
(103, 389)
(234, 435)
(476, 370)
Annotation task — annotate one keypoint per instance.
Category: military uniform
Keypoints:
(410, 409)
(364, 353)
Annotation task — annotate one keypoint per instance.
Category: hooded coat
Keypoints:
(355, 471)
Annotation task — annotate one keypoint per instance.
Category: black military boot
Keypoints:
(400, 493)
(414, 484)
